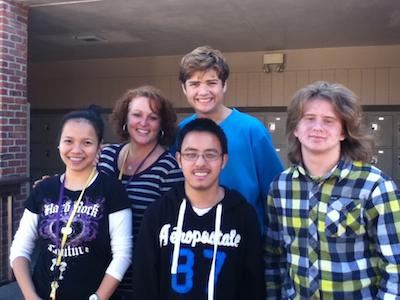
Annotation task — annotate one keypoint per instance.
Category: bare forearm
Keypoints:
(22, 273)
(107, 287)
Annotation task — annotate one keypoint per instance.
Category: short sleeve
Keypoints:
(117, 197)
(34, 202)
(31, 203)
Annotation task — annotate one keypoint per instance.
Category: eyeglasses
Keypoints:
(207, 156)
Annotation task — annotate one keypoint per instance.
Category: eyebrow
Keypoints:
(72, 137)
(197, 150)
(324, 116)
(141, 111)
(197, 81)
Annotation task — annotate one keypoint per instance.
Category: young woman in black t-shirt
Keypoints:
(80, 222)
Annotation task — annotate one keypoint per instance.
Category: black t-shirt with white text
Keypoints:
(87, 252)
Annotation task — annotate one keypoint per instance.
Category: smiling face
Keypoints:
(202, 173)
(205, 92)
(78, 145)
(320, 129)
(143, 124)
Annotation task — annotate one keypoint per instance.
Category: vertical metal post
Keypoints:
(10, 230)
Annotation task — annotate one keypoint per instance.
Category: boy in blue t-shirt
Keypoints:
(253, 160)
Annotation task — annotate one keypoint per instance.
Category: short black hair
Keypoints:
(91, 115)
(203, 125)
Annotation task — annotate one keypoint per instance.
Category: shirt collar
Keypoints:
(341, 171)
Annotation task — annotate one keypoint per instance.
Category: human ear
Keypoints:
(183, 88)
(224, 89)
(295, 132)
(178, 159)
(224, 160)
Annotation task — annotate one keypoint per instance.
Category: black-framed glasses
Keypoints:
(207, 156)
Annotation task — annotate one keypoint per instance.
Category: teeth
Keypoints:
(75, 158)
(200, 173)
(143, 130)
(204, 100)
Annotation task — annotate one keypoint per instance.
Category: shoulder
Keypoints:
(186, 120)
(48, 183)
(368, 182)
(109, 185)
(165, 166)
(281, 181)
(168, 161)
(360, 166)
(109, 154)
(47, 188)
(114, 192)
(173, 196)
(233, 195)
(234, 201)
(109, 157)
(370, 174)
(287, 173)
(109, 181)
(168, 203)
(248, 120)
(111, 150)
(245, 123)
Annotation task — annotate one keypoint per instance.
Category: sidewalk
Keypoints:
(10, 291)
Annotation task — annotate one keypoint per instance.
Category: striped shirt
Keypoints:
(143, 188)
(333, 237)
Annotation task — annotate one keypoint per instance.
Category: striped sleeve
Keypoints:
(107, 161)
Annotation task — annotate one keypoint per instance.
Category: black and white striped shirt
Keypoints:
(146, 186)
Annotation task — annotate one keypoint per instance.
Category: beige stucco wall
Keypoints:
(372, 72)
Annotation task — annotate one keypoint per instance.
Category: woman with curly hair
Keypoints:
(146, 123)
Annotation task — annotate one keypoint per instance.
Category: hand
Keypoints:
(36, 182)
(34, 297)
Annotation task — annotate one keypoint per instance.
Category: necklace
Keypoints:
(65, 232)
(138, 167)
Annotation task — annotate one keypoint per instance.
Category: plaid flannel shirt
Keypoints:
(333, 237)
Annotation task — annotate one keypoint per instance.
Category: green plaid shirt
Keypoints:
(333, 237)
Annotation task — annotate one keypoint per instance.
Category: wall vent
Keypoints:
(90, 38)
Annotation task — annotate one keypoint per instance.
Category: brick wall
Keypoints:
(14, 161)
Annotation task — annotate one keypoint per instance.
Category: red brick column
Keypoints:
(14, 135)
